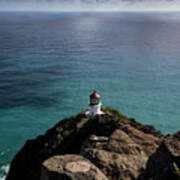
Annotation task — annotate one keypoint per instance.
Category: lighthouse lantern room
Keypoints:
(94, 104)
(94, 99)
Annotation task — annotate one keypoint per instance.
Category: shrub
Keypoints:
(59, 129)
(177, 169)
(59, 138)
(66, 133)
(46, 144)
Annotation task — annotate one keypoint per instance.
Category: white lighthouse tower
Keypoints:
(94, 105)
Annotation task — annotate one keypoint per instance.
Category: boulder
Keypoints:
(70, 167)
(117, 166)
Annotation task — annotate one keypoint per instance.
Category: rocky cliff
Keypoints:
(105, 147)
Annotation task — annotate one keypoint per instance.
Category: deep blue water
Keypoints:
(50, 63)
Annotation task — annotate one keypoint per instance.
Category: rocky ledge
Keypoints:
(105, 147)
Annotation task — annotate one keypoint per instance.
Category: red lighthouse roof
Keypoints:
(94, 95)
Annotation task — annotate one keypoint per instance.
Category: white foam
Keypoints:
(2, 153)
(4, 169)
(3, 178)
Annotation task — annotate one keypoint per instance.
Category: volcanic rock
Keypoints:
(70, 167)
(118, 147)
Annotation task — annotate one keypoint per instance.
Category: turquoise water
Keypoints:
(51, 62)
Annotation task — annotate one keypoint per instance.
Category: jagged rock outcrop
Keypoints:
(70, 167)
(165, 162)
(123, 153)
(120, 147)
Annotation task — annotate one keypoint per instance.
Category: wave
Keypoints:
(3, 178)
(3, 172)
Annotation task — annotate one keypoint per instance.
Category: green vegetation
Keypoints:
(59, 138)
(46, 145)
(61, 134)
(59, 129)
(110, 110)
(177, 169)
(66, 133)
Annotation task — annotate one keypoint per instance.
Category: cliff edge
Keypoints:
(108, 146)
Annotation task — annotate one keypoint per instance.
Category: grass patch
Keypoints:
(112, 111)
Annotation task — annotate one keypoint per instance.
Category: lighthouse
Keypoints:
(94, 105)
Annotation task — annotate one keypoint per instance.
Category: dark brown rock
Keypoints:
(165, 162)
(117, 166)
(122, 155)
(147, 142)
(120, 147)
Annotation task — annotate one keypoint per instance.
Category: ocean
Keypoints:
(51, 62)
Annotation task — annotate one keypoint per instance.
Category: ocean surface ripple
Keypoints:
(50, 63)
